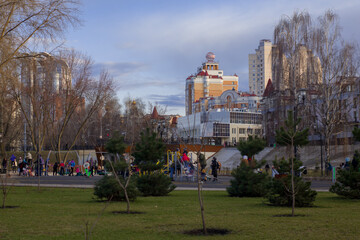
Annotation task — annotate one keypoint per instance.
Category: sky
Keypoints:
(150, 47)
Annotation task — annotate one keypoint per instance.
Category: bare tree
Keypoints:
(291, 34)
(339, 67)
(41, 20)
(10, 120)
(24, 23)
(98, 93)
(5, 187)
(77, 101)
(190, 132)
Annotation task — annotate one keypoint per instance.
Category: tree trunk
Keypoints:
(292, 180)
(327, 154)
(2, 148)
(127, 202)
(200, 197)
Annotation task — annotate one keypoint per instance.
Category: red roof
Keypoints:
(174, 120)
(269, 89)
(202, 73)
(155, 114)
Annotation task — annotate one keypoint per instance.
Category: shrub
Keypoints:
(155, 184)
(247, 183)
(347, 184)
(279, 192)
(108, 186)
(348, 181)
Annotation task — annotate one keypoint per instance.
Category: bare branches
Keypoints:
(40, 20)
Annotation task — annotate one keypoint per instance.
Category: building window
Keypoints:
(221, 130)
(241, 130)
(233, 130)
(249, 131)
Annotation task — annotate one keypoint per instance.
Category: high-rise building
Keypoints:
(209, 81)
(260, 67)
(42, 74)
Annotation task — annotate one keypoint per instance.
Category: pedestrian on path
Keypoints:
(214, 168)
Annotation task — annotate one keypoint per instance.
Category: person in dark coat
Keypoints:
(214, 168)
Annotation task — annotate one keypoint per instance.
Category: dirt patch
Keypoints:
(10, 207)
(289, 215)
(210, 232)
(125, 212)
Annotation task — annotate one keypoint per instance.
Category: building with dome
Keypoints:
(208, 82)
(216, 112)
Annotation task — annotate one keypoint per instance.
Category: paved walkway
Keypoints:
(89, 182)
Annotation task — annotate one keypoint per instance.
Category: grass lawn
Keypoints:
(57, 213)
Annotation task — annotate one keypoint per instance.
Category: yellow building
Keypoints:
(208, 82)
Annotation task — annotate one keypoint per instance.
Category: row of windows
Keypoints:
(248, 118)
(221, 130)
(248, 131)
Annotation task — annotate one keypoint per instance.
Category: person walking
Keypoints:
(42, 163)
(55, 168)
(91, 167)
(29, 159)
(72, 166)
(46, 173)
(62, 168)
(214, 168)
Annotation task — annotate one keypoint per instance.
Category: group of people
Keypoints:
(26, 166)
(41, 166)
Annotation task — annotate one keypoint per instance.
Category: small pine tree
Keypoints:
(279, 189)
(118, 165)
(348, 181)
(290, 136)
(251, 146)
(356, 133)
(108, 188)
(247, 183)
(149, 152)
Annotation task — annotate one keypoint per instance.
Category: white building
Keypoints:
(220, 126)
(260, 67)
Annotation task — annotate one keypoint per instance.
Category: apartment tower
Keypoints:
(260, 68)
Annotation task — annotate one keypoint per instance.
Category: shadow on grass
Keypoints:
(289, 215)
(10, 207)
(125, 212)
(210, 232)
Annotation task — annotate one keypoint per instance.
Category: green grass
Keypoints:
(61, 214)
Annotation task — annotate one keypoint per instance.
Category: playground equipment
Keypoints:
(178, 169)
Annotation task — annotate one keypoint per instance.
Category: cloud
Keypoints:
(154, 46)
(119, 68)
(176, 100)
